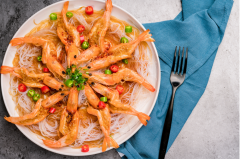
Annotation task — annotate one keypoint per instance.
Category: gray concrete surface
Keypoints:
(212, 130)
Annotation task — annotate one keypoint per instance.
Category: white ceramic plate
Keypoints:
(133, 126)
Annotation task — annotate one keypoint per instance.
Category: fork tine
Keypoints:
(178, 60)
(173, 65)
(185, 65)
(181, 64)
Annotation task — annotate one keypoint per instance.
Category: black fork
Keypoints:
(176, 79)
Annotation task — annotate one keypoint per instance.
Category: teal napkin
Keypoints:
(200, 27)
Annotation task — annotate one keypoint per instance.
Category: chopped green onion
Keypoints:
(36, 97)
(69, 14)
(68, 71)
(85, 45)
(73, 66)
(128, 29)
(81, 80)
(53, 16)
(125, 61)
(81, 87)
(104, 99)
(108, 72)
(76, 78)
(39, 58)
(124, 40)
(31, 93)
(69, 83)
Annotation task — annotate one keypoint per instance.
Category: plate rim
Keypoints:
(133, 132)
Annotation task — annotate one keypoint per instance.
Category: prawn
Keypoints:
(63, 128)
(119, 52)
(49, 53)
(123, 74)
(48, 48)
(91, 96)
(104, 119)
(53, 99)
(21, 72)
(72, 100)
(55, 84)
(105, 61)
(71, 132)
(67, 33)
(29, 79)
(103, 116)
(55, 67)
(98, 31)
(128, 48)
(116, 106)
(87, 55)
(37, 115)
(71, 54)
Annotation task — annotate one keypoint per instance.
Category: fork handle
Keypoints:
(166, 128)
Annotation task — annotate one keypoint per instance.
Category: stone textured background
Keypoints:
(212, 130)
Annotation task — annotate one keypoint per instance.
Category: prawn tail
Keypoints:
(143, 118)
(11, 120)
(113, 142)
(105, 144)
(65, 7)
(109, 5)
(145, 36)
(55, 144)
(17, 41)
(6, 69)
(50, 143)
(148, 86)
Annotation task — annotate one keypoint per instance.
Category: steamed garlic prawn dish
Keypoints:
(76, 77)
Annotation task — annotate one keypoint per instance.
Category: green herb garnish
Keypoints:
(75, 79)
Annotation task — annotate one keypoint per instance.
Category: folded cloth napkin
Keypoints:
(200, 27)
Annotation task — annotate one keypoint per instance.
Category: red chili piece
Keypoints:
(120, 89)
(46, 70)
(45, 89)
(80, 28)
(89, 10)
(52, 110)
(81, 38)
(101, 105)
(85, 148)
(114, 68)
(22, 87)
